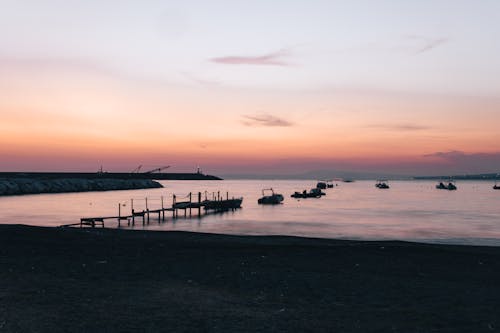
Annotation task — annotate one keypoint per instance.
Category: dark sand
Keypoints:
(72, 280)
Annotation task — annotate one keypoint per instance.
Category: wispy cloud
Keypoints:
(400, 127)
(432, 44)
(448, 155)
(265, 120)
(469, 162)
(270, 59)
(426, 44)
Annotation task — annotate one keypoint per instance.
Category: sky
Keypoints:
(250, 87)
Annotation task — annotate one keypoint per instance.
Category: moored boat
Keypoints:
(223, 204)
(450, 187)
(382, 184)
(321, 185)
(441, 186)
(272, 199)
(313, 193)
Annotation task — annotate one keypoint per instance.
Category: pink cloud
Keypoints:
(270, 59)
(266, 120)
(462, 162)
(400, 127)
(426, 44)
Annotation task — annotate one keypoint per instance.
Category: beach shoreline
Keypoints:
(81, 280)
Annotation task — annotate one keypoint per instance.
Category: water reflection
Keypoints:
(407, 211)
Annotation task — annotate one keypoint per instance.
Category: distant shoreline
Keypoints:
(471, 177)
(88, 280)
(108, 175)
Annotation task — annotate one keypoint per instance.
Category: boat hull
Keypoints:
(274, 199)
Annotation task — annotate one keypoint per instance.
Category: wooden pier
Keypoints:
(216, 204)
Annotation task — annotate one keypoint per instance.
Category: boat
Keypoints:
(272, 199)
(324, 184)
(441, 186)
(223, 204)
(313, 193)
(321, 185)
(450, 187)
(316, 192)
(496, 186)
(233, 203)
(348, 180)
(382, 184)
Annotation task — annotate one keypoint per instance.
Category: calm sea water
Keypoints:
(409, 210)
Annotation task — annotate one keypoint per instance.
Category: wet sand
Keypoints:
(104, 280)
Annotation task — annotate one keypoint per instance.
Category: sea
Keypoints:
(408, 210)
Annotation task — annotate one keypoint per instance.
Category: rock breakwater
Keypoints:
(18, 186)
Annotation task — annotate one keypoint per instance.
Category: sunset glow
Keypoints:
(238, 89)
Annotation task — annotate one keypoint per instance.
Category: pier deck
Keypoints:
(217, 204)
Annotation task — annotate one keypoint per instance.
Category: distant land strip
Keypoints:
(108, 175)
(482, 176)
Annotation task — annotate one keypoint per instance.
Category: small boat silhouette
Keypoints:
(382, 184)
(450, 187)
(313, 193)
(321, 185)
(324, 184)
(272, 199)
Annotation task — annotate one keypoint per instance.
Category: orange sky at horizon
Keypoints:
(401, 87)
(102, 119)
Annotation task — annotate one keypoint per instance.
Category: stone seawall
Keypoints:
(17, 186)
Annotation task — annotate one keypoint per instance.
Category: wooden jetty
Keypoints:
(216, 204)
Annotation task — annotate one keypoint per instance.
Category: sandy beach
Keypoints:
(103, 280)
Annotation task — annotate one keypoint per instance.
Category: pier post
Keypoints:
(162, 209)
(119, 214)
(199, 204)
(227, 195)
(147, 209)
(132, 209)
(190, 197)
(173, 206)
